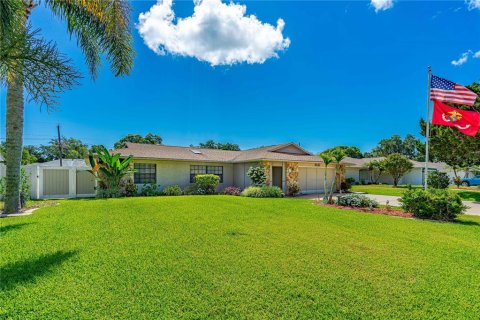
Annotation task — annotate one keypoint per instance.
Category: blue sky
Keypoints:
(350, 76)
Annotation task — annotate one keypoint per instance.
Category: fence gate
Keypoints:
(85, 183)
(55, 182)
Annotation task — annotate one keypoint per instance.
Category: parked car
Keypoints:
(474, 181)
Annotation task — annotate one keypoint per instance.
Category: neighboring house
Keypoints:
(171, 165)
(71, 180)
(355, 169)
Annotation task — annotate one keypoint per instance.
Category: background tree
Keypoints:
(448, 145)
(149, 138)
(27, 155)
(397, 166)
(210, 144)
(72, 149)
(350, 151)
(410, 147)
(29, 62)
(375, 168)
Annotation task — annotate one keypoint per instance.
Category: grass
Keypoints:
(34, 204)
(466, 193)
(197, 257)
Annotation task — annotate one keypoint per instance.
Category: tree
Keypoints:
(449, 145)
(30, 63)
(327, 159)
(149, 138)
(110, 170)
(27, 156)
(337, 156)
(410, 147)
(397, 166)
(376, 168)
(350, 151)
(71, 149)
(210, 144)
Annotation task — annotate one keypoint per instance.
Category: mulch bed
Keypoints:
(384, 211)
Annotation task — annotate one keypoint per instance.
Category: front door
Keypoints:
(277, 176)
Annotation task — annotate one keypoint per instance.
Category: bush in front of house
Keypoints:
(357, 201)
(257, 175)
(130, 189)
(293, 189)
(174, 190)
(435, 204)
(206, 183)
(438, 180)
(263, 192)
(232, 191)
(149, 190)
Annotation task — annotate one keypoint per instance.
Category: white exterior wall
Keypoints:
(353, 173)
(178, 172)
(240, 177)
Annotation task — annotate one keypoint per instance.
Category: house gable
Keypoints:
(291, 148)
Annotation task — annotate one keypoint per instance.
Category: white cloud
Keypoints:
(473, 4)
(477, 54)
(218, 33)
(381, 5)
(463, 58)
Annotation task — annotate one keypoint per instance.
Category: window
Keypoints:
(145, 173)
(216, 170)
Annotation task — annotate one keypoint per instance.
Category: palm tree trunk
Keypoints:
(14, 124)
(14, 141)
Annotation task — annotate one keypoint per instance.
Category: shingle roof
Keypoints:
(163, 152)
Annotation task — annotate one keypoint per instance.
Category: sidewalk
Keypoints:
(474, 207)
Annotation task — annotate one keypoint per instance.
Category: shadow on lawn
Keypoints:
(26, 271)
(11, 227)
(467, 223)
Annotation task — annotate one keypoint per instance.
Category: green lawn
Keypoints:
(466, 193)
(200, 257)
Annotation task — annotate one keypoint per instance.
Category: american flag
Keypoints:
(448, 91)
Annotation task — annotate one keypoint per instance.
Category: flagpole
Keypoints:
(427, 131)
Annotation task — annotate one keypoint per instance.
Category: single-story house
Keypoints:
(173, 165)
(70, 180)
(356, 170)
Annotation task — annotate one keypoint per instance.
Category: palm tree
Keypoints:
(30, 63)
(337, 156)
(327, 159)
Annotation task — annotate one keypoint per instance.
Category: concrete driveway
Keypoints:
(474, 206)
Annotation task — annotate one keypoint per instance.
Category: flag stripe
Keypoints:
(448, 91)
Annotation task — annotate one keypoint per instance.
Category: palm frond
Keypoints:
(45, 71)
(100, 26)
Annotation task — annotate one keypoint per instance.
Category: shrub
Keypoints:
(457, 181)
(263, 192)
(108, 192)
(172, 191)
(357, 201)
(232, 190)
(206, 183)
(293, 189)
(438, 180)
(347, 185)
(257, 175)
(149, 189)
(24, 187)
(130, 189)
(436, 204)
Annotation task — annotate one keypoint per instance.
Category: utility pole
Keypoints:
(60, 144)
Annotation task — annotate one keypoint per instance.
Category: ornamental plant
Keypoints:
(206, 183)
(257, 175)
(397, 166)
(435, 204)
(438, 180)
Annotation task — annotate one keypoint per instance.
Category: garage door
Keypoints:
(311, 179)
(55, 182)
(85, 183)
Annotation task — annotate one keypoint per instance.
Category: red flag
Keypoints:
(467, 122)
